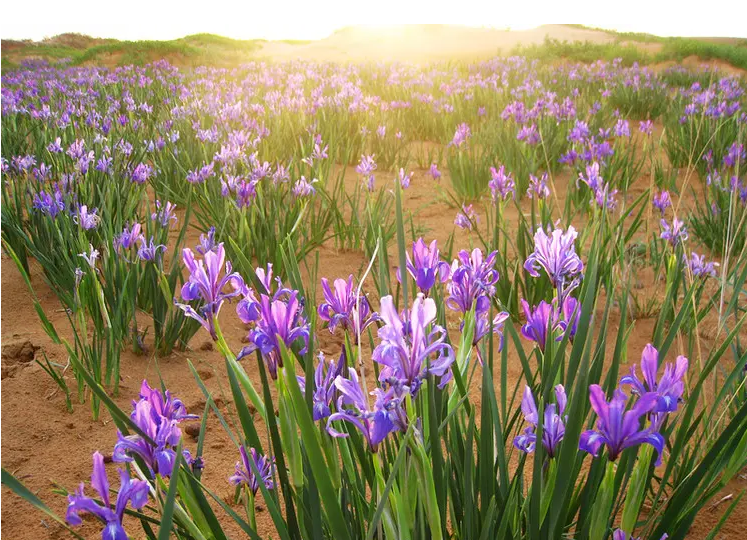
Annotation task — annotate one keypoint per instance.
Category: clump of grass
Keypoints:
(675, 48)
(586, 51)
(680, 48)
(195, 49)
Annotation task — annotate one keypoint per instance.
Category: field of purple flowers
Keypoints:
(468, 300)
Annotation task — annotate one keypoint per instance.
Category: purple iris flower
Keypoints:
(735, 156)
(580, 132)
(425, 266)
(279, 320)
(324, 384)
(675, 234)
(55, 147)
(91, 257)
(159, 453)
(569, 158)
(556, 254)
(281, 174)
(597, 151)
(165, 214)
(207, 242)
(553, 425)
(245, 474)
(461, 135)
(662, 201)
(412, 348)
(622, 128)
(200, 176)
(467, 218)
(87, 220)
(248, 309)
(127, 238)
(366, 168)
(163, 404)
(104, 164)
(529, 134)
(483, 325)
(538, 187)
(570, 313)
(375, 423)
(404, 178)
(646, 127)
(699, 267)
(618, 428)
(304, 188)
(148, 250)
(49, 204)
(264, 275)
(319, 153)
(539, 319)
(592, 178)
(547, 316)
(43, 172)
(341, 306)
(205, 283)
(668, 389)
(501, 184)
(473, 281)
(605, 197)
(435, 173)
(134, 492)
(77, 149)
(141, 173)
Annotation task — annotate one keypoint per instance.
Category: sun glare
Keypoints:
(293, 19)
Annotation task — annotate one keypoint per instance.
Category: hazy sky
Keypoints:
(313, 19)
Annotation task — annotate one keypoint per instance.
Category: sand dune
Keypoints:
(416, 43)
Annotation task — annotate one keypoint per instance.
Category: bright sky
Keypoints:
(314, 19)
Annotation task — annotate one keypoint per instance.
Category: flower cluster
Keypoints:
(375, 423)
(604, 195)
(674, 234)
(158, 416)
(325, 375)
(473, 280)
(547, 317)
(538, 187)
(619, 427)
(411, 346)
(366, 168)
(274, 319)
(206, 283)
(344, 307)
(699, 267)
(553, 424)
(245, 475)
(467, 218)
